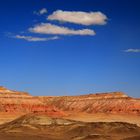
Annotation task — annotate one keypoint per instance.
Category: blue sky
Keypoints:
(39, 58)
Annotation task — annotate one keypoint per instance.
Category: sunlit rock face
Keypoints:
(22, 102)
(114, 102)
(4, 92)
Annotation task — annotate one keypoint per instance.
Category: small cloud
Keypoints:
(132, 50)
(41, 12)
(78, 17)
(35, 39)
(47, 28)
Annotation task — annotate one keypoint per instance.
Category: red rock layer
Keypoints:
(22, 102)
(115, 102)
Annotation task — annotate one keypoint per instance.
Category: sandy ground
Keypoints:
(7, 117)
(100, 117)
(34, 128)
(85, 117)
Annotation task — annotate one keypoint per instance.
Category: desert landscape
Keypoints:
(69, 69)
(100, 116)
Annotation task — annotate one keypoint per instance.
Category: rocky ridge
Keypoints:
(15, 101)
(113, 102)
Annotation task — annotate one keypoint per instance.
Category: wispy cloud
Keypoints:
(47, 28)
(41, 12)
(35, 39)
(78, 17)
(132, 50)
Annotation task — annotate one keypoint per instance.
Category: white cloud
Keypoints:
(35, 39)
(41, 12)
(47, 28)
(78, 17)
(132, 50)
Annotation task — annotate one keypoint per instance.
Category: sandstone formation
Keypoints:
(104, 116)
(22, 102)
(114, 102)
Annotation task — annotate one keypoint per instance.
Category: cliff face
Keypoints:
(14, 101)
(115, 102)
